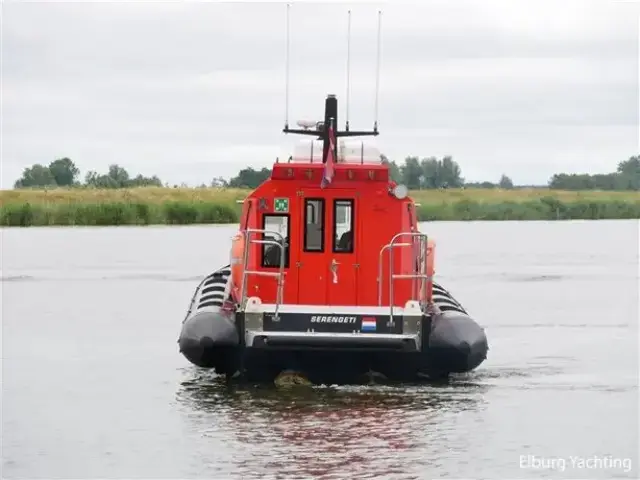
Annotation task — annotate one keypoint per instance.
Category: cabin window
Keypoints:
(278, 223)
(343, 231)
(314, 225)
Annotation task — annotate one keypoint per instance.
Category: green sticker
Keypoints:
(281, 205)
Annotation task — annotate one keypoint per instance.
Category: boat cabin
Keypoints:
(323, 224)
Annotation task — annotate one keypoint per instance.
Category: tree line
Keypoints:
(64, 173)
(415, 173)
(431, 173)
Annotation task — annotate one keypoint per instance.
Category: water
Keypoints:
(94, 387)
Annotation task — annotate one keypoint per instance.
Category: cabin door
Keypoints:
(312, 272)
(327, 266)
(342, 249)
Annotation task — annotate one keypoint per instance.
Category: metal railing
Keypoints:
(418, 261)
(278, 275)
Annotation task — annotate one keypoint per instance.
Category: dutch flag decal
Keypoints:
(368, 324)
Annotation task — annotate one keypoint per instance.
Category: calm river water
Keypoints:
(93, 385)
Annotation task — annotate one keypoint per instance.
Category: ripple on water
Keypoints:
(370, 432)
(323, 430)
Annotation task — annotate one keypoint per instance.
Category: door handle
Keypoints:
(334, 270)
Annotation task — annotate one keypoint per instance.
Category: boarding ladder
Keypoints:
(279, 275)
(418, 261)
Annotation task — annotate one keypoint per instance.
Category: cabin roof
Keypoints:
(350, 152)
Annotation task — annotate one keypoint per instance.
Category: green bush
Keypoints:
(180, 211)
(116, 213)
(545, 208)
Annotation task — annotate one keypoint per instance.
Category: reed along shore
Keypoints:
(170, 206)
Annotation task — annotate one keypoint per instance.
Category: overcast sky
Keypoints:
(189, 91)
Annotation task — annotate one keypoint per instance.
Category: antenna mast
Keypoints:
(348, 64)
(375, 119)
(321, 130)
(286, 93)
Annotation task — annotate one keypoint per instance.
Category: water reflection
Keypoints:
(359, 432)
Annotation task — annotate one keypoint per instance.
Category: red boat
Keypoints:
(329, 275)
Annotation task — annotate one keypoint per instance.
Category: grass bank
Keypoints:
(153, 205)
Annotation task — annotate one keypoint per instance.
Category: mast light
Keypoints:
(400, 191)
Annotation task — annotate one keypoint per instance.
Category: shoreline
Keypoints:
(193, 206)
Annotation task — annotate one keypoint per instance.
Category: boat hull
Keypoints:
(328, 348)
(208, 339)
(457, 344)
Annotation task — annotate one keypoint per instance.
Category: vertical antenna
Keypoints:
(286, 93)
(375, 121)
(348, 63)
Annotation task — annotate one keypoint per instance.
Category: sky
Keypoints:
(192, 90)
